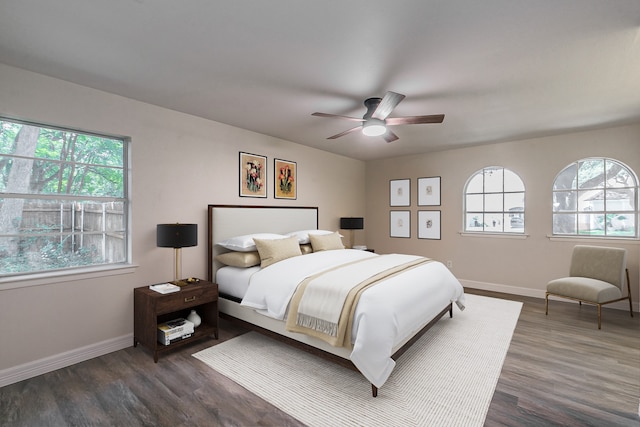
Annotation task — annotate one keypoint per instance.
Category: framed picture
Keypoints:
(285, 179)
(400, 224)
(400, 192)
(429, 225)
(253, 175)
(429, 191)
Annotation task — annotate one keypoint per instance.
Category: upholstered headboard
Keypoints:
(225, 221)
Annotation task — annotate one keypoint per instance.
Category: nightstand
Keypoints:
(151, 308)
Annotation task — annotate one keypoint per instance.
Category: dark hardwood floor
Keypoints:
(560, 370)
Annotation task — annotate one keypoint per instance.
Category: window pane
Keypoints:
(493, 203)
(475, 222)
(60, 234)
(475, 184)
(514, 202)
(564, 224)
(621, 224)
(512, 182)
(565, 201)
(618, 176)
(494, 223)
(566, 180)
(591, 173)
(516, 221)
(493, 180)
(591, 224)
(620, 200)
(474, 202)
(591, 200)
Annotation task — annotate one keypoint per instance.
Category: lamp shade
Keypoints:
(352, 223)
(177, 235)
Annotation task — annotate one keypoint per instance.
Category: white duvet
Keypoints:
(387, 314)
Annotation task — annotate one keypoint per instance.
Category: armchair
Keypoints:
(596, 276)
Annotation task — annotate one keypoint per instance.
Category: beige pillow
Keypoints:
(239, 259)
(274, 250)
(306, 249)
(326, 242)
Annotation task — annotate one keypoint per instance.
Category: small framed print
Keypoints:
(429, 225)
(400, 224)
(253, 175)
(400, 192)
(429, 191)
(285, 179)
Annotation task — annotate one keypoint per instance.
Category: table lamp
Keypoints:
(351, 223)
(177, 236)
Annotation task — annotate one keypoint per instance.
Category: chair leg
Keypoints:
(599, 316)
(629, 292)
(546, 303)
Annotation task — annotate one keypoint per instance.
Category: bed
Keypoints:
(385, 318)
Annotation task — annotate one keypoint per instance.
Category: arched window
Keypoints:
(595, 197)
(494, 201)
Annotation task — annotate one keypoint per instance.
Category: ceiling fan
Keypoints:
(375, 120)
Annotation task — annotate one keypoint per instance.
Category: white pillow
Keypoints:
(303, 235)
(245, 243)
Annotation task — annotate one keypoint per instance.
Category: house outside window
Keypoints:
(494, 202)
(63, 199)
(596, 197)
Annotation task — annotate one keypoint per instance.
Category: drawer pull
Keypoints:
(193, 298)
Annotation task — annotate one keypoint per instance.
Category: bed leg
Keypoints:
(450, 310)
(374, 391)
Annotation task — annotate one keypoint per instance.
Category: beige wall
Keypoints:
(180, 163)
(521, 266)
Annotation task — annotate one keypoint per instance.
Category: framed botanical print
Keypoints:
(429, 191)
(400, 223)
(429, 225)
(400, 192)
(285, 179)
(253, 175)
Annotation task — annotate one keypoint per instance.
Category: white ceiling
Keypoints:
(498, 69)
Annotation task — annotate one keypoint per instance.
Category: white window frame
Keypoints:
(123, 264)
(506, 214)
(608, 229)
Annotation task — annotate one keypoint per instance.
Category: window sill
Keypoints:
(628, 240)
(494, 235)
(48, 278)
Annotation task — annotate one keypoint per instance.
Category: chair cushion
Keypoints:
(585, 289)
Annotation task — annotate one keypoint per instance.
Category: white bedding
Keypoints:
(387, 314)
(234, 281)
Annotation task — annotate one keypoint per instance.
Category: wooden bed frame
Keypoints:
(240, 220)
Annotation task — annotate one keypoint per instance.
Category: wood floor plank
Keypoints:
(559, 370)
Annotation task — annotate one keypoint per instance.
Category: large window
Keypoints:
(595, 197)
(63, 199)
(494, 201)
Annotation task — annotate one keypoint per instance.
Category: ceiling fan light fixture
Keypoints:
(374, 127)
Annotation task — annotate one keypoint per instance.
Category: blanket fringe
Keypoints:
(320, 325)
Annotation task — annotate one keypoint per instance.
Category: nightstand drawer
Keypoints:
(186, 298)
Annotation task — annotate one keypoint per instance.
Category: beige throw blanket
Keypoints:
(323, 304)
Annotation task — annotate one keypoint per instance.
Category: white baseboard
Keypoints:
(536, 293)
(38, 367)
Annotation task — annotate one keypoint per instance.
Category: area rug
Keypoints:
(447, 378)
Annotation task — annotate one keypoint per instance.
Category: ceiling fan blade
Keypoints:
(390, 136)
(415, 120)
(345, 132)
(336, 116)
(386, 106)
